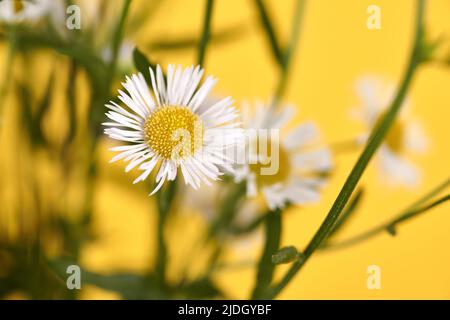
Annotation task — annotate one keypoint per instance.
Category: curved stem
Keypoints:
(289, 52)
(267, 24)
(118, 36)
(412, 211)
(373, 144)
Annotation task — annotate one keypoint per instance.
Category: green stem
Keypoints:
(418, 211)
(441, 187)
(206, 32)
(289, 52)
(118, 37)
(71, 106)
(165, 200)
(265, 267)
(266, 23)
(8, 66)
(347, 213)
(412, 211)
(374, 142)
(228, 211)
(251, 226)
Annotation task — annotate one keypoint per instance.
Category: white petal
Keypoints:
(201, 94)
(302, 135)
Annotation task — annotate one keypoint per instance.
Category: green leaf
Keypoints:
(128, 285)
(143, 64)
(203, 288)
(286, 255)
(187, 42)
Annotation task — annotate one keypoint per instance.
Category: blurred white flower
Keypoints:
(405, 137)
(170, 128)
(18, 11)
(302, 162)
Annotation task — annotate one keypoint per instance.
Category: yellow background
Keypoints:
(334, 50)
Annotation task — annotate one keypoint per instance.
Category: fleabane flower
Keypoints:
(18, 11)
(404, 138)
(171, 127)
(287, 167)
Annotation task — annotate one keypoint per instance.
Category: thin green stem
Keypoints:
(8, 66)
(228, 211)
(347, 213)
(251, 226)
(118, 37)
(418, 211)
(165, 199)
(412, 211)
(266, 268)
(267, 24)
(441, 187)
(373, 144)
(289, 52)
(206, 32)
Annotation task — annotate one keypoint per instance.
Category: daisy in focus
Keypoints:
(405, 137)
(17, 11)
(170, 127)
(300, 162)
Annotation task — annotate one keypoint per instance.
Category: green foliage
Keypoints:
(142, 64)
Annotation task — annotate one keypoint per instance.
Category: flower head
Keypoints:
(286, 168)
(173, 127)
(404, 137)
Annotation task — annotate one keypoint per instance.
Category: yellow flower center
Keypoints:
(18, 6)
(268, 160)
(394, 138)
(173, 132)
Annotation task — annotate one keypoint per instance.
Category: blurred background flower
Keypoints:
(406, 135)
(286, 167)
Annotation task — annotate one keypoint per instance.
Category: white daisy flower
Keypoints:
(170, 127)
(17, 11)
(301, 161)
(405, 137)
